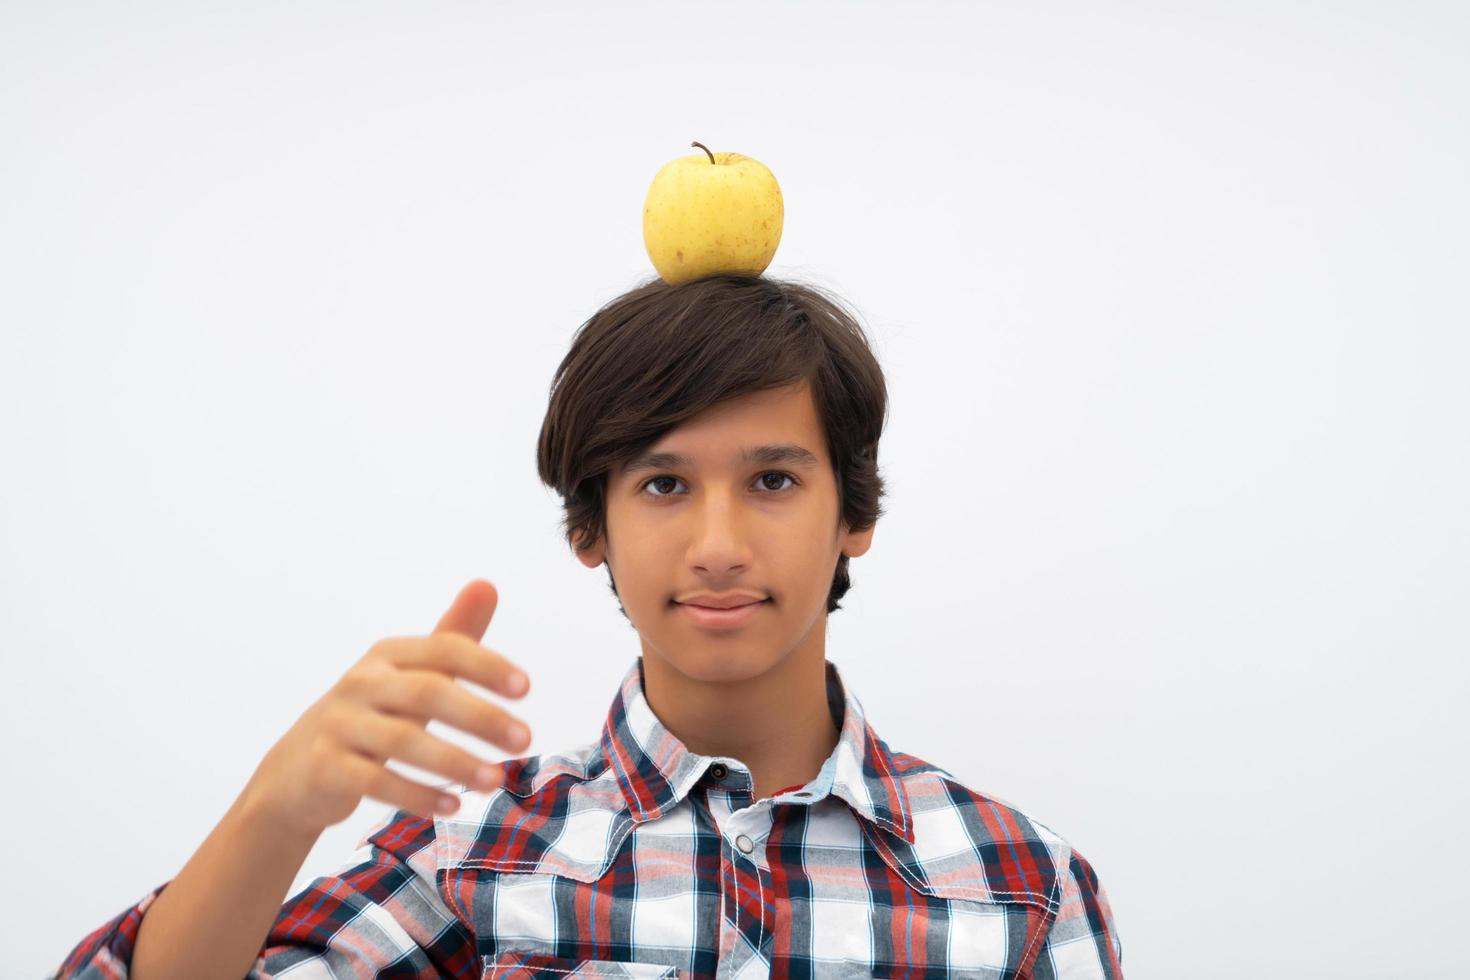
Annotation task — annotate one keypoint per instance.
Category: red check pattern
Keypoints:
(634, 857)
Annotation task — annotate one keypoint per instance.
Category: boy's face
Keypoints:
(722, 524)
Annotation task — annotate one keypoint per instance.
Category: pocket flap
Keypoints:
(535, 966)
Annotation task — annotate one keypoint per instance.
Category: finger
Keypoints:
(427, 695)
(471, 611)
(387, 786)
(456, 655)
(382, 737)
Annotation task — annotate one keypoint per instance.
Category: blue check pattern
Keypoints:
(633, 856)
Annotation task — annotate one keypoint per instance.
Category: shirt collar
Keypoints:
(655, 770)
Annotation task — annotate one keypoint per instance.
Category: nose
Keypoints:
(719, 538)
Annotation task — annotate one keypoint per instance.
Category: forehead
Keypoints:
(779, 425)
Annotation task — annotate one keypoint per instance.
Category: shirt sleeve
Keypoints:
(1082, 943)
(106, 952)
(380, 915)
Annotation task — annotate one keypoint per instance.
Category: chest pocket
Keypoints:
(535, 966)
(960, 929)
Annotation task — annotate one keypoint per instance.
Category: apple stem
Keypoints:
(705, 149)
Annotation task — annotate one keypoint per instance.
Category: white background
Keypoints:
(1172, 305)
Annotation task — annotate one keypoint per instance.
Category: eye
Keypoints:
(659, 479)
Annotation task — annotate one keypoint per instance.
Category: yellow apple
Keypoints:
(709, 213)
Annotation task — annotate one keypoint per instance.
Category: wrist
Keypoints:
(262, 819)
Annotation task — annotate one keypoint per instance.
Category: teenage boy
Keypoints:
(715, 445)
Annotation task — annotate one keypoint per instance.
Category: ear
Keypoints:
(856, 543)
(593, 556)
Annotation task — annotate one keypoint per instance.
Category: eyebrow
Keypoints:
(783, 453)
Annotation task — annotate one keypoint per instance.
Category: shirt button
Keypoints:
(718, 770)
(744, 844)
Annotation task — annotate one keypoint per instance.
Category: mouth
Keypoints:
(722, 618)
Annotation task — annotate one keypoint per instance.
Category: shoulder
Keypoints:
(957, 827)
(1012, 858)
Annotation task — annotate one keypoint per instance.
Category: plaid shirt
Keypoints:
(635, 857)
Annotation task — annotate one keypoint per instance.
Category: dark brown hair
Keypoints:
(659, 354)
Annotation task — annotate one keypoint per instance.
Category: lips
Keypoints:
(722, 600)
(722, 619)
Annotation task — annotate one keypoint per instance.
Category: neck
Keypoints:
(776, 723)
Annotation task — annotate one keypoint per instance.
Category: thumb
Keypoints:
(471, 611)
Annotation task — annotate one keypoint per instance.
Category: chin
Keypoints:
(716, 659)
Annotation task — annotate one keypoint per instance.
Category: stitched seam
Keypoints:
(1027, 963)
(760, 921)
(734, 884)
(623, 779)
(1045, 927)
(961, 891)
(723, 892)
(533, 788)
(902, 808)
(760, 943)
(494, 864)
(494, 968)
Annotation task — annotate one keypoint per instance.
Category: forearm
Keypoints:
(214, 917)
